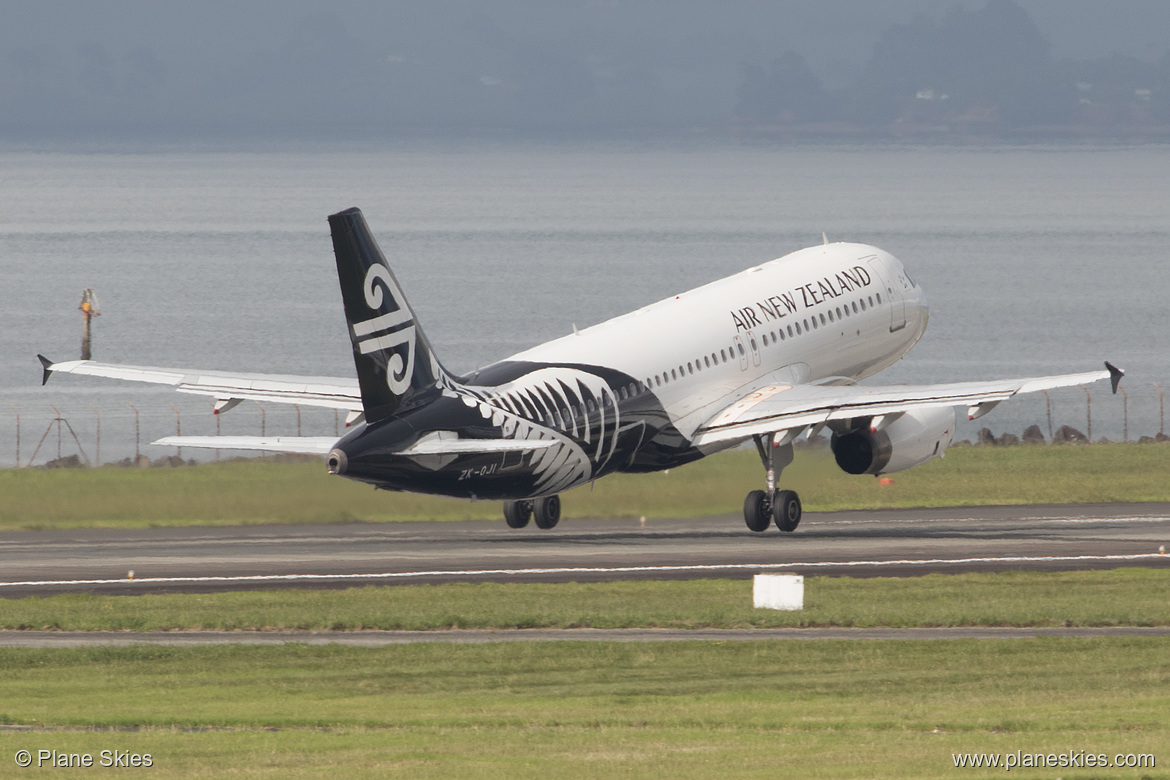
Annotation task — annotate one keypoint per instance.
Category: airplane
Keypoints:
(766, 355)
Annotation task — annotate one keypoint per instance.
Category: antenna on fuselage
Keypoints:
(825, 238)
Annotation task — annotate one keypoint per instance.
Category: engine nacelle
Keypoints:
(915, 437)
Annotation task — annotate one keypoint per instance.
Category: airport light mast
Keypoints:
(89, 310)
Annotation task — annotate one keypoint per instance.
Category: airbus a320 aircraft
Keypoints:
(766, 355)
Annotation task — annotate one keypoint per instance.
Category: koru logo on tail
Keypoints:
(399, 368)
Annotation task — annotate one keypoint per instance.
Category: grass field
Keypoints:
(1136, 597)
(259, 492)
(577, 710)
(821, 709)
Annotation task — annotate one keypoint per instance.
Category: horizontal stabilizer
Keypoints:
(443, 446)
(301, 445)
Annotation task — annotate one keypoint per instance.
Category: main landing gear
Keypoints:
(761, 508)
(546, 511)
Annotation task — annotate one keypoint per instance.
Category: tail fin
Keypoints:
(396, 366)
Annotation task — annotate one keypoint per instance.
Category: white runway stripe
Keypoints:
(592, 570)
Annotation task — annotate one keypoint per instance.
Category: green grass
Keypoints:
(1139, 597)
(258, 492)
(583, 710)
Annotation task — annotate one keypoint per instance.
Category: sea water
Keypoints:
(1034, 261)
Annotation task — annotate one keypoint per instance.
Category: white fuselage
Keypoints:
(837, 312)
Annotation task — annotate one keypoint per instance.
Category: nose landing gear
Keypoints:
(761, 508)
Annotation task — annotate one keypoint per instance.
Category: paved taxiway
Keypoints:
(861, 543)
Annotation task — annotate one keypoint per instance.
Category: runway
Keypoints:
(855, 543)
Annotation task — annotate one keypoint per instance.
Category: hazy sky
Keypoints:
(230, 67)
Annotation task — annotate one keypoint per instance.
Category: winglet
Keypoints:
(1115, 375)
(47, 365)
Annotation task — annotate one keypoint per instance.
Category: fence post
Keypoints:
(263, 426)
(17, 436)
(1089, 412)
(1161, 413)
(1048, 403)
(137, 453)
(178, 429)
(1125, 413)
(298, 408)
(97, 460)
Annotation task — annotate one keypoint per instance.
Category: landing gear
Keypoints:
(517, 513)
(786, 510)
(546, 511)
(763, 507)
(757, 511)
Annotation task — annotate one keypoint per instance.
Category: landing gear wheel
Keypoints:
(517, 513)
(757, 511)
(547, 511)
(786, 510)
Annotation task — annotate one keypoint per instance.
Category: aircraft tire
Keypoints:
(547, 512)
(517, 513)
(756, 512)
(786, 510)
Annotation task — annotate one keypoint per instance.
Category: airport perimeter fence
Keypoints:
(69, 433)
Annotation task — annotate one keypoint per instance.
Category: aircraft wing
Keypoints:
(778, 408)
(226, 387)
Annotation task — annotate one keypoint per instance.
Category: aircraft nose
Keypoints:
(337, 462)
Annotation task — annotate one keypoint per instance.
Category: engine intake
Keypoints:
(914, 438)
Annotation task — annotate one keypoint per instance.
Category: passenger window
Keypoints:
(789, 331)
(871, 300)
(855, 307)
(806, 328)
(822, 318)
(764, 338)
(863, 304)
(755, 347)
(798, 329)
(673, 375)
(741, 352)
(707, 360)
(839, 310)
(879, 297)
(658, 381)
(830, 315)
(724, 353)
(690, 368)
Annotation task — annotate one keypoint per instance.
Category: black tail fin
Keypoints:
(395, 364)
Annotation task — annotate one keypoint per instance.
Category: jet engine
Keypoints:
(883, 446)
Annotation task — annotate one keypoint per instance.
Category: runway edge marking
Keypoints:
(588, 570)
